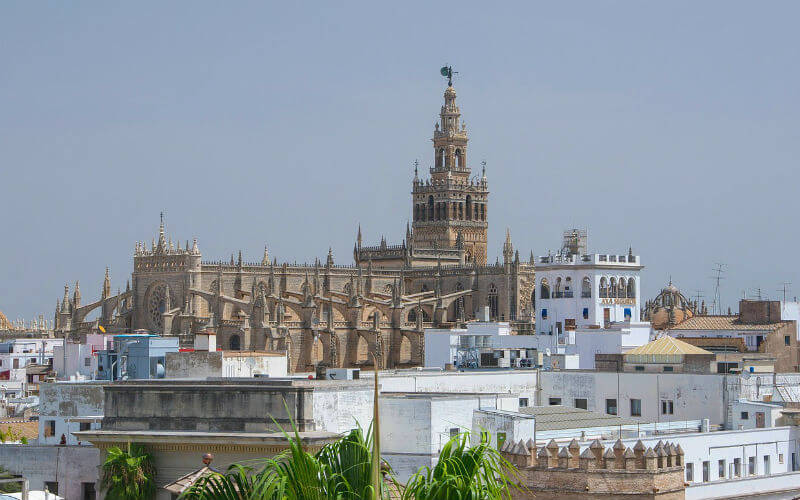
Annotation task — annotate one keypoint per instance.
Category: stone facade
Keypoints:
(325, 313)
(554, 472)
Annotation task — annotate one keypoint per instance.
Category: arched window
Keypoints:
(483, 212)
(623, 285)
(612, 292)
(492, 302)
(461, 210)
(544, 289)
(603, 288)
(234, 344)
(440, 158)
(632, 288)
(558, 289)
(459, 159)
(412, 315)
(430, 207)
(469, 207)
(586, 288)
(568, 287)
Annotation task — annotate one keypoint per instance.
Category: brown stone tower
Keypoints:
(450, 208)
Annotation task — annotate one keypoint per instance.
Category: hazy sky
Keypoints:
(671, 127)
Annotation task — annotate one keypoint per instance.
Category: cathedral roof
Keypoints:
(669, 308)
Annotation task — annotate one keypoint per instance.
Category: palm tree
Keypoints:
(464, 472)
(129, 474)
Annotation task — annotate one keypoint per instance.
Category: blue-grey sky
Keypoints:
(671, 127)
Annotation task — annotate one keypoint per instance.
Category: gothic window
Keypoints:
(424, 288)
(156, 301)
(412, 315)
(234, 344)
(613, 287)
(430, 207)
(603, 288)
(459, 159)
(544, 291)
(586, 288)
(461, 210)
(483, 212)
(469, 207)
(621, 291)
(632, 288)
(468, 255)
(440, 158)
(493, 302)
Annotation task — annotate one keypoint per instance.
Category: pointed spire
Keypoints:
(265, 258)
(531, 261)
(329, 261)
(195, 249)
(239, 262)
(162, 242)
(106, 285)
(76, 296)
(128, 285)
(358, 238)
(232, 261)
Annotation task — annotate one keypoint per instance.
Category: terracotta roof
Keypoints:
(182, 483)
(666, 345)
(21, 428)
(725, 323)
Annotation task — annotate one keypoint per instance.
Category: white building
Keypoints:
(578, 289)
(79, 360)
(464, 347)
(16, 354)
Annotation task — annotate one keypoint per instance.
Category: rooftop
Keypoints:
(550, 418)
(725, 323)
(666, 345)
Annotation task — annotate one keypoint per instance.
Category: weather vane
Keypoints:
(447, 72)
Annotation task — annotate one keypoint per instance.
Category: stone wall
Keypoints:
(69, 466)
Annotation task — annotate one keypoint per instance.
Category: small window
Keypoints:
(554, 401)
(636, 407)
(453, 432)
(721, 469)
(87, 362)
(88, 491)
(585, 313)
(50, 428)
(787, 340)
(611, 406)
(751, 466)
(667, 407)
(745, 415)
(85, 426)
(737, 467)
(51, 486)
(780, 458)
(581, 403)
(628, 313)
(544, 313)
(639, 368)
(766, 465)
(689, 472)
(523, 402)
(706, 471)
(669, 368)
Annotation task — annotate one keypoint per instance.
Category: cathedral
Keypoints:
(327, 314)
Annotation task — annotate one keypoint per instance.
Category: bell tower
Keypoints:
(450, 206)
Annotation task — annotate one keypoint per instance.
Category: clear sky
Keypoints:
(671, 127)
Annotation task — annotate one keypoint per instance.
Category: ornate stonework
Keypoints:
(324, 313)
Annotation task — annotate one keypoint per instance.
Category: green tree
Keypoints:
(129, 474)
(464, 472)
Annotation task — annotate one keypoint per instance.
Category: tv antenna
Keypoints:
(698, 295)
(783, 289)
(719, 269)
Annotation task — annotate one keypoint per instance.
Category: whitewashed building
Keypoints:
(580, 289)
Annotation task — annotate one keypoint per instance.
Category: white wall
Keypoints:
(247, 366)
(518, 382)
(694, 397)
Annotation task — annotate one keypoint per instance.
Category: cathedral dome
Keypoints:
(669, 308)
